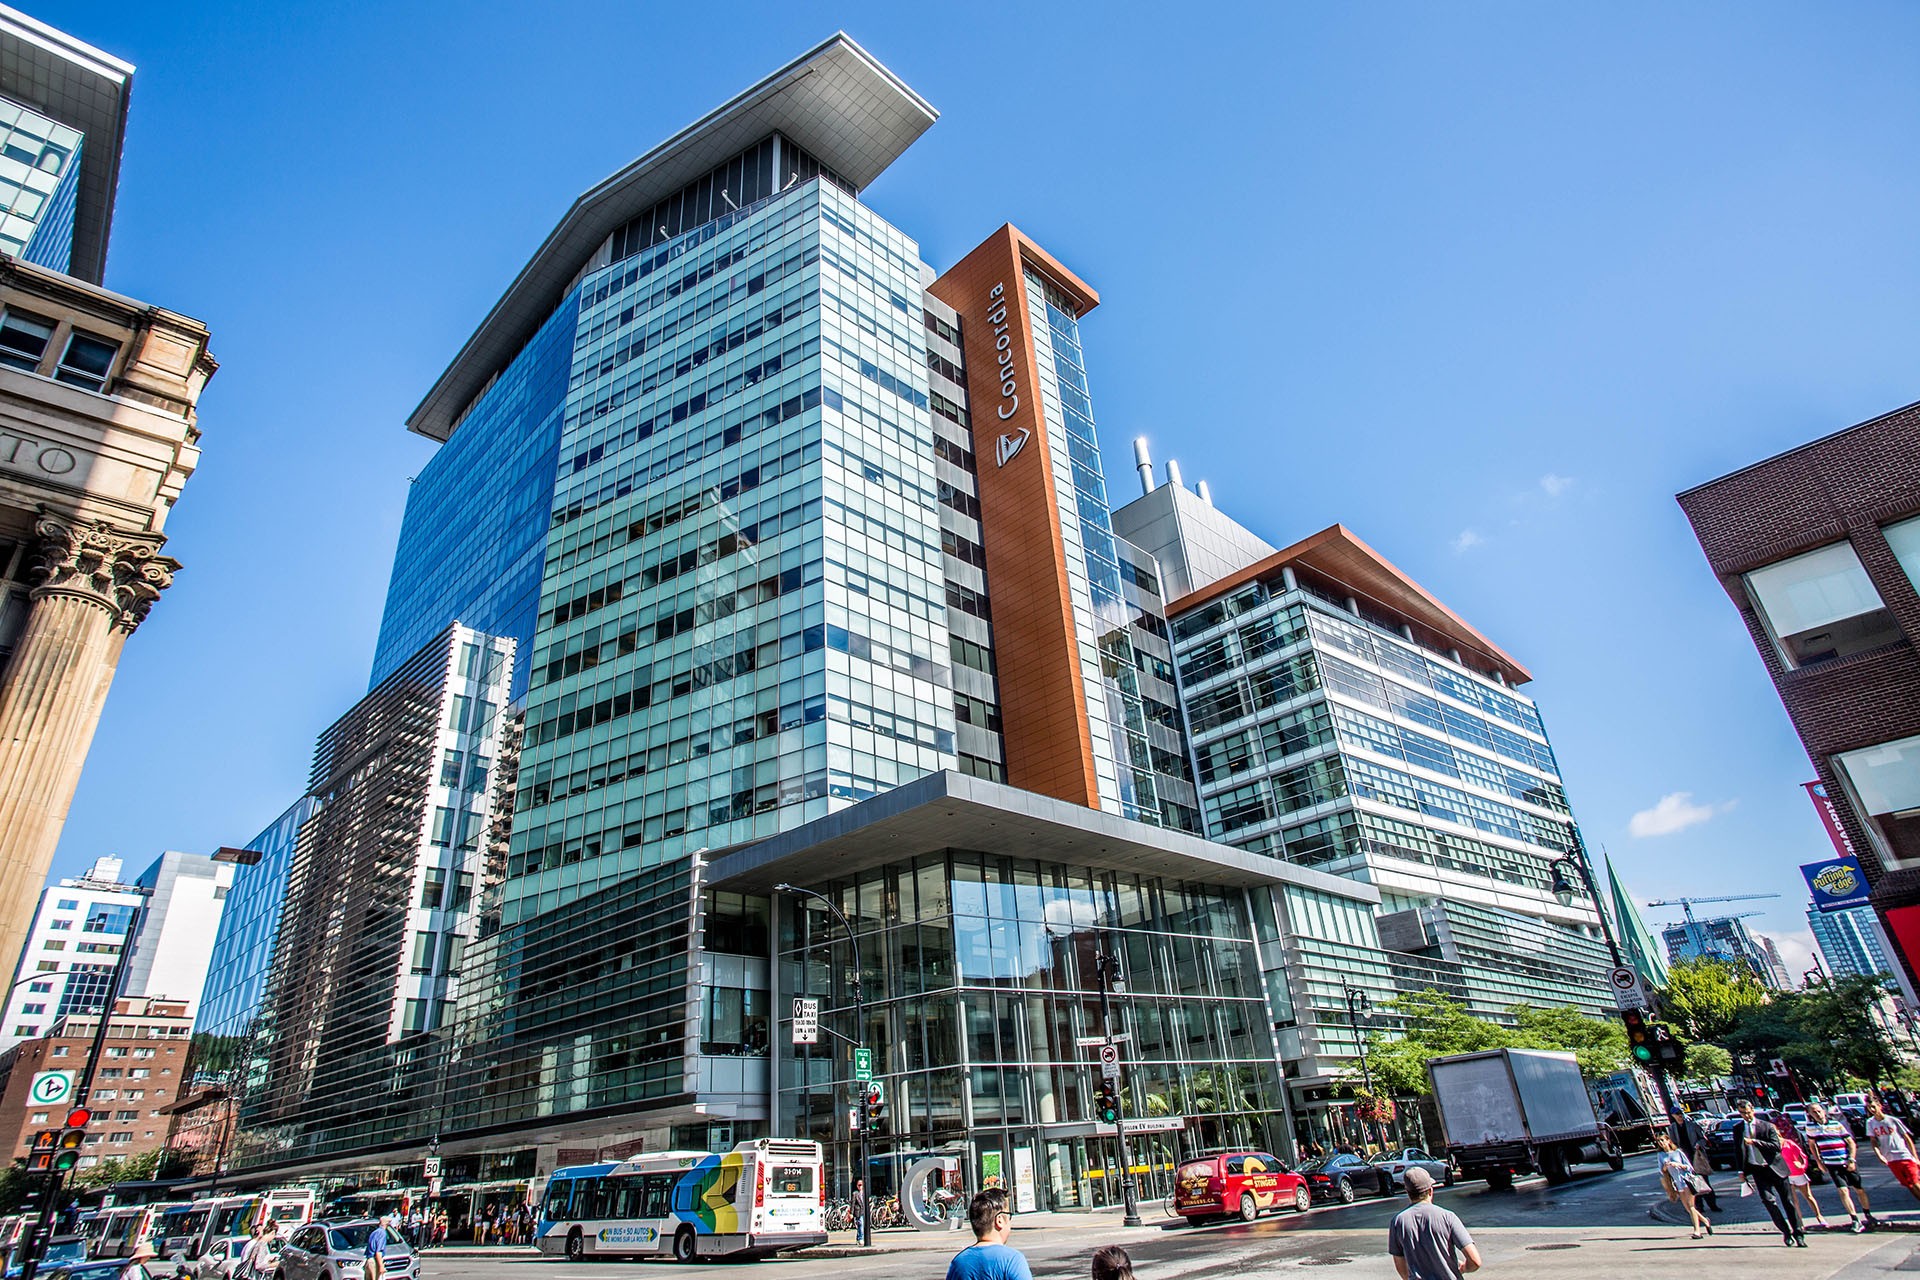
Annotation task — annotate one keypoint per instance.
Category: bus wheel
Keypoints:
(683, 1246)
(576, 1246)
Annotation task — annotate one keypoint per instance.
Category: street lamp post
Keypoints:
(860, 1031)
(1359, 1005)
(1107, 967)
(1563, 889)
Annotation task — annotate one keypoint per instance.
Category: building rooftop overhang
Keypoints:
(954, 810)
(78, 85)
(836, 101)
(1336, 553)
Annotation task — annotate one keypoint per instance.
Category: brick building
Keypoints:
(1819, 549)
(138, 1080)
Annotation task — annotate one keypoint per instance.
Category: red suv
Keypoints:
(1238, 1184)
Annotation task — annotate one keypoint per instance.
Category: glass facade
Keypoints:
(473, 541)
(1850, 942)
(39, 181)
(243, 947)
(1328, 737)
(980, 978)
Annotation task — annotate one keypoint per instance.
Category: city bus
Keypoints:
(751, 1202)
(117, 1233)
(233, 1218)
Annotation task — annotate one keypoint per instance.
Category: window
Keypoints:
(117, 1138)
(110, 1073)
(104, 1095)
(23, 340)
(59, 924)
(67, 904)
(139, 1073)
(1884, 785)
(54, 944)
(1820, 606)
(33, 1008)
(45, 966)
(434, 888)
(40, 988)
(87, 361)
(125, 1116)
(145, 1053)
(423, 953)
(26, 1032)
(59, 1051)
(1904, 538)
(39, 1117)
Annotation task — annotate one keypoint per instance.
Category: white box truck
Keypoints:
(1509, 1112)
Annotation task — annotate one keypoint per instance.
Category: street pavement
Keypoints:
(1599, 1223)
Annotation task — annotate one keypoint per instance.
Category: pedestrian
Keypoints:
(1800, 1174)
(860, 1224)
(257, 1261)
(1839, 1159)
(374, 1264)
(989, 1257)
(1765, 1170)
(1682, 1183)
(1693, 1141)
(1893, 1141)
(1425, 1241)
(1112, 1263)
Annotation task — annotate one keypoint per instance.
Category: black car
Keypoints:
(1344, 1176)
(1723, 1144)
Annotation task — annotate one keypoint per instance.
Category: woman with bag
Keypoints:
(1800, 1176)
(1682, 1184)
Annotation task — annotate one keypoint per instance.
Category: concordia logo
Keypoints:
(1010, 444)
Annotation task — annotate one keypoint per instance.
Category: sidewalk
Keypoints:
(840, 1244)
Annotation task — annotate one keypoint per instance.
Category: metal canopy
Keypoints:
(955, 810)
(836, 101)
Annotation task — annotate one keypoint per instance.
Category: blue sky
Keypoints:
(1488, 283)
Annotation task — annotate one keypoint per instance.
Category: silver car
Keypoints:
(336, 1249)
(221, 1261)
(1397, 1162)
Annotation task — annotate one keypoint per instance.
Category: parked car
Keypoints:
(1723, 1144)
(1344, 1176)
(1853, 1106)
(1396, 1163)
(1796, 1112)
(1241, 1184)
(334, 1249)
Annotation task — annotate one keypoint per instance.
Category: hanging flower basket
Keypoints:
(1373, 1108)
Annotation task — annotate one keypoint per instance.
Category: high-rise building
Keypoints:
(98, 434)
(1819, 549)
(72, 945)
(1849, 942)
(1344, 719)
(1728, 938)
(186, 895)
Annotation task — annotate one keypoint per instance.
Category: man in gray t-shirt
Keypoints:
(1425, 1239)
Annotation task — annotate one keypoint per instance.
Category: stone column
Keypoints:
(93, 585)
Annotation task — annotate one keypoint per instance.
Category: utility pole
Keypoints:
(859, 1032)
(1107, 967)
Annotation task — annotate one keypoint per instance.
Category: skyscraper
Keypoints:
(1849, 941)
(1728, 938)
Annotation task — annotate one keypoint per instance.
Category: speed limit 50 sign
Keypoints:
(50, 1089)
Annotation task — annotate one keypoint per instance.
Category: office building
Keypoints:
(138, 1078)
(74, 940)
(98, 433)
(1849, 942)
(1819, 550)
(186, 894)
(1728, 938)
(1344, 719)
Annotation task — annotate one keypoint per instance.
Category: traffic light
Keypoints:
(45, 1143)
(1108, 1102)
(1639, 1036)
(72, 1138)
(876, 1108)
(1669, 1051)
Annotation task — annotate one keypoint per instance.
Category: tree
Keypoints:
(161, 1162)
(1599, 1044)
(1437, 1025)
(1706, 998)
(1840, 1015)
(1706, 1062)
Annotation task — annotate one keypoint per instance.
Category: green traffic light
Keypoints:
(66, 1160)
(1643, 1053)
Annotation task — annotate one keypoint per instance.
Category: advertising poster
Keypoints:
(1024, 1200)
(1837, 884)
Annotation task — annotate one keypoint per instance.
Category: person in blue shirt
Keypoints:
(989, 1257)
(376, 1251)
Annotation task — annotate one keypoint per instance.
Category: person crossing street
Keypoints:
(1839, 1157)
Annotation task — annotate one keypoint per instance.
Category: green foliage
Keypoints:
(1707, 1062)
(1707, 998)
(1437, 1026)
(13, 1188)
(158, 1163)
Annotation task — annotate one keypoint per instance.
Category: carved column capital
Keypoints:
(122, 573)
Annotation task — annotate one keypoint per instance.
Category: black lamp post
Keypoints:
(860, 1031)
(1359, 1005)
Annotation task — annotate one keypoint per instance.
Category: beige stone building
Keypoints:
(97, 435)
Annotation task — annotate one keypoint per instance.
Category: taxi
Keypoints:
(1237, 1184)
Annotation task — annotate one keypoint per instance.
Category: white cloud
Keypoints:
(1675, 812)
(1466, 540)
(1555, 485)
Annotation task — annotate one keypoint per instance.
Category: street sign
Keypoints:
(1094, 1042)
(806, 1021)
(51, 1089)
(433, 1188)
(1155, 1124)
(863, 1064)
(1627, 991)
(1110, 1061)
(430, 1167)
(876, 1091)
(1778, 1067)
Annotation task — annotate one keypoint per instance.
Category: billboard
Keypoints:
(1837, 884)
(1830, 818)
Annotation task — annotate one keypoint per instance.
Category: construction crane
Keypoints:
(1696, 937)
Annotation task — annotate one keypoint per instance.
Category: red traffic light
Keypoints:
(79, 1118)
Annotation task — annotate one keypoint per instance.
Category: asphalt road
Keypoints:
(1596, 1224)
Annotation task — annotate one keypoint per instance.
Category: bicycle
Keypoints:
(839, 1215)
